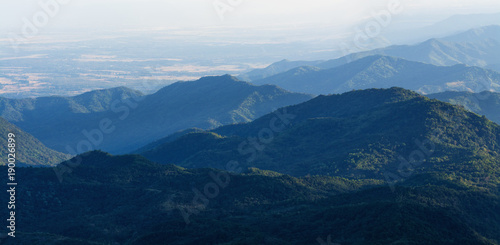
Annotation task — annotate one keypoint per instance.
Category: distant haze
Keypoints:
(66, 47)
(131, 14)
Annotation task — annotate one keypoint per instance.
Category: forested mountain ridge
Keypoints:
(102, 192)
(135, 120)
(359, 134)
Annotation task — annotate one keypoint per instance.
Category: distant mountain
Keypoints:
(474, 47)
(286, 65)
(360, 134)
(450, 26)
(384, 72)
(460, 22)
(28, 150)
(482, 34)
(484, 103)
(275, 68)
(39, 110)
(130, 200)
(125, 120)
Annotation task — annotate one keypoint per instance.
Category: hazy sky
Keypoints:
(125, 14)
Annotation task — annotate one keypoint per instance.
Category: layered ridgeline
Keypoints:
(450, 26)
(28, 150)
(121, 120)
(484, 103)
(476, 47)
(55, 108)
(129, 200)
(276, 68)
(384, 72)
(375, 133)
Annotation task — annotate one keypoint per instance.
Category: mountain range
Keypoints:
(375, 166)
(121, 120)
(276, 68)
(450, 26)
(69, 111)
(360, 134)
(397, 145)
(384, 72)
(476, 47)
(450, 196)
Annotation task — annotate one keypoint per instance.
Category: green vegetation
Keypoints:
(321, 177)
(129, 200)
(29, 151)
(360, 134)
(484, 103)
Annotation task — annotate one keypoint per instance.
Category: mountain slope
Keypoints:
(29, 151)
(126, 123)
(275, 68)
(360, 134)
(384, 72)
(129, 200)
(484, 103)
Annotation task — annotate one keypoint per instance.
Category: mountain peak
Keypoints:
(212, 83)
(225, 77)
(282, 61)
(112, 91)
